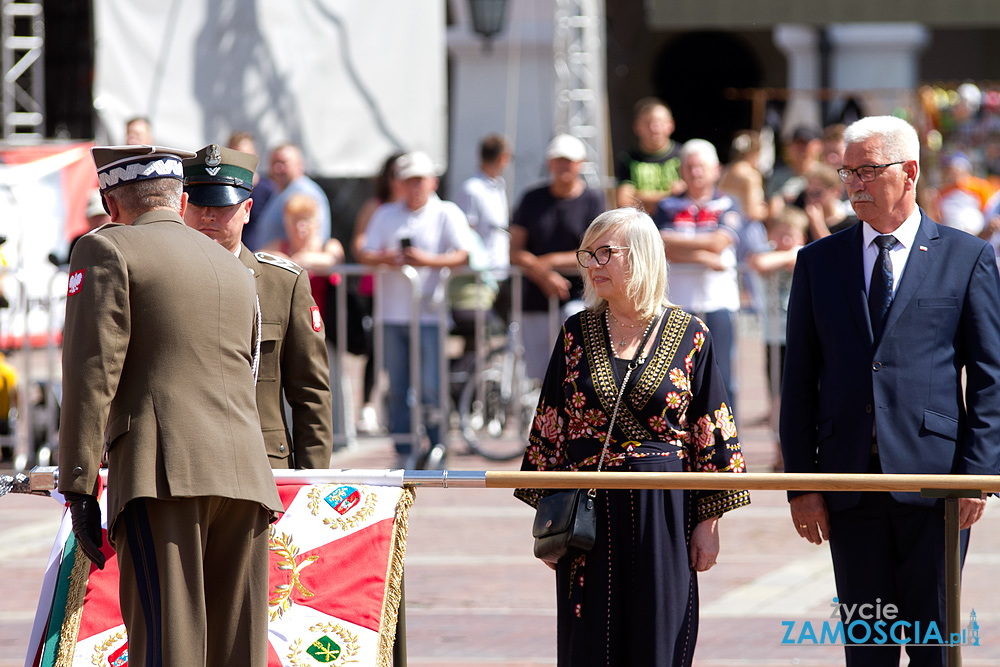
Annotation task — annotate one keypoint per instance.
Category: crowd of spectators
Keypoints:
(731, 230)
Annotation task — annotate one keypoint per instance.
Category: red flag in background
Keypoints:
(43, 198)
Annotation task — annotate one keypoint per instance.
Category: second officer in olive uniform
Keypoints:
(293, 359)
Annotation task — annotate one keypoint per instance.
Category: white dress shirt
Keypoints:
(905, 235)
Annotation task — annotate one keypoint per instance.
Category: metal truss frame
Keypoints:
(581, 107)
(23, 41)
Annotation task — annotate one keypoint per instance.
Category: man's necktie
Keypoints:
(880, 289)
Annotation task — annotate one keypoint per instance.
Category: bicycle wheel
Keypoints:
(493, 425)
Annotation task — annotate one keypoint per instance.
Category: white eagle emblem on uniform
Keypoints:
(75, 282)
(316, 318)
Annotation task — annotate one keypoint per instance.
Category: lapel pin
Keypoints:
(924, 248)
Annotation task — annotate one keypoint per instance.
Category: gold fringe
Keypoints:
(393, 579)
(70, 630)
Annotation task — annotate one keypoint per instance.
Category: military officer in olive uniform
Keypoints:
(293, 354)
(158, 375)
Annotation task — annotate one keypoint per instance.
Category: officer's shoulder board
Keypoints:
(281, 262)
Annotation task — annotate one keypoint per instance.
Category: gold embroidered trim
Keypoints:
(394, 579)
(99, 657)
(287, 554)
(651, 375)
(70, 630)
(351, 646)
(346, 523)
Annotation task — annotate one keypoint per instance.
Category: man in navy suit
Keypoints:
(883, 320)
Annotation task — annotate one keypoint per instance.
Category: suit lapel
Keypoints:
(851, 259)
(917, 265)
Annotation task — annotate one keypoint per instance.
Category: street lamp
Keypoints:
(488, 19)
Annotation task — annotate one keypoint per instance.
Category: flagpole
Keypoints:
(42, 479)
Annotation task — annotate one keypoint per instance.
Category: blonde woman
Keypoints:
(633, 598)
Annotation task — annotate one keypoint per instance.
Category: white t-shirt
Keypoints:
(438, 227)
(484, 201)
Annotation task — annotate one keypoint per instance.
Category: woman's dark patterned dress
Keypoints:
(633, 599)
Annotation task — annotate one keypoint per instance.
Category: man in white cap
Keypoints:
(158, 376)
(422, 231)
(544, 237)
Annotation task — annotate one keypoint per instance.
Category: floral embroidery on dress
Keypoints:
(680, 379)
(596, 417)
(535, 456)
(675, 402)
(704, 433)
(548, 423)
(725, 422)
(578, 427)
(658, 423)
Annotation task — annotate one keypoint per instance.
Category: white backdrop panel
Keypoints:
(349, 81)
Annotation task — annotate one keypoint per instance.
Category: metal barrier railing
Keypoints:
(345, 431)
(24, 435)
(344, 424)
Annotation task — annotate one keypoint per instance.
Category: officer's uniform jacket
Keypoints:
(293, 360)
(157, 355)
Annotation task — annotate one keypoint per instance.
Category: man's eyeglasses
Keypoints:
(601, 255)
(866, 173)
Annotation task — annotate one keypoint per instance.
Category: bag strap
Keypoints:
(638, 360)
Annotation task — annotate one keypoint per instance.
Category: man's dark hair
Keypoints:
(647, 104)
(491, 148)
(137, 198)
(834, 132)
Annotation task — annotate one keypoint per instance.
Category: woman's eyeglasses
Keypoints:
(601, 255)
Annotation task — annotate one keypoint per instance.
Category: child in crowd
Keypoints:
(787, 233)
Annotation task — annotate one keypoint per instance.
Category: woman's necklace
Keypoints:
(621, 324)
(626, 337)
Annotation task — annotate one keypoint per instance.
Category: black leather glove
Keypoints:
(86, 515)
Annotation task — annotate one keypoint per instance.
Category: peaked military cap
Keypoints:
(219, 176)
(121, 165)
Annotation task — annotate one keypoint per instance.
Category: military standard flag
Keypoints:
(333, 594)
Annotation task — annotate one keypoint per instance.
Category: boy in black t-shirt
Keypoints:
(650, 172)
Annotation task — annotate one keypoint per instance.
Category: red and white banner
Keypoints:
(43, 200)
(334, 585)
